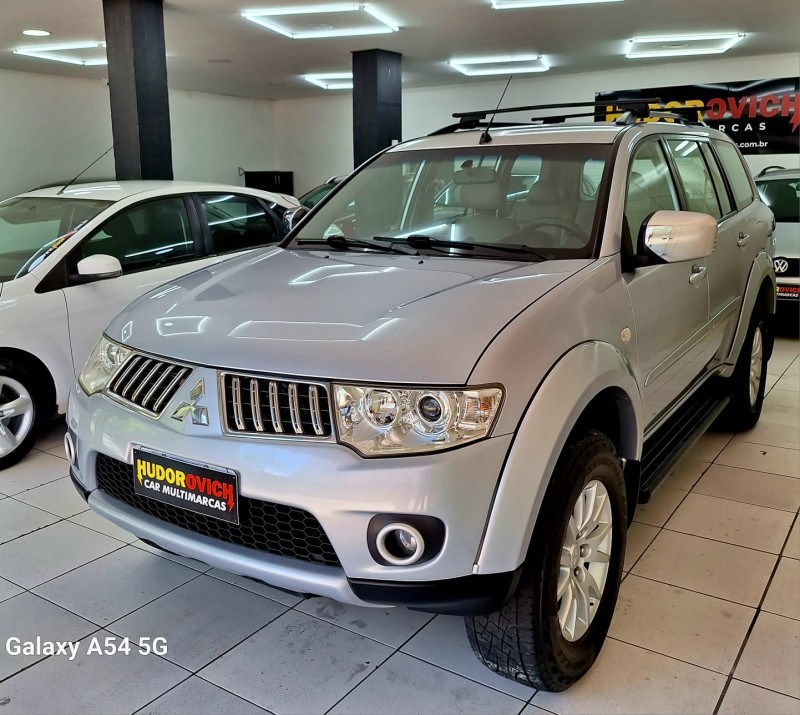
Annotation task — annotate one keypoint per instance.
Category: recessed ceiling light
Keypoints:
(52, 52)
(683, 45)
(515, 4)
(331, 80)
(514, 64)
(36, 33)
(368, 21)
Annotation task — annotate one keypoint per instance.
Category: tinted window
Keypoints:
(30, 228)
(719, 182)
(237, 222)
(650, 189)
(698, 187)
(737, 174)
(148, 235)
(783, 197)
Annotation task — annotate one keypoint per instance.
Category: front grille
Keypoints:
(148, 382)
(264, 406)
(272, 528)
(793, 267)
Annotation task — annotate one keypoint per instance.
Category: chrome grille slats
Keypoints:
(269, 406)
(145, 380)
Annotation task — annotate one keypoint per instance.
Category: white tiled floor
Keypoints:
(708, 617)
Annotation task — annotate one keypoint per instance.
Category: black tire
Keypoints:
(21, 373)
(524, 641)
(743, 412)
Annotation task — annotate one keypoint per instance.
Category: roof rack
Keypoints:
(632, 110)
(767, 169)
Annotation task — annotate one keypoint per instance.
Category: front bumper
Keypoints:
(339, 488)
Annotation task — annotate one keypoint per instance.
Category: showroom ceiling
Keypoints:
(211, 47)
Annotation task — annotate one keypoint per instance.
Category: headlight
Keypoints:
(381, 420)
(103, 363)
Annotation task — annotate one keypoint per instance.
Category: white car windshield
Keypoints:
(783, 197)
(530, 202)
(31, 227)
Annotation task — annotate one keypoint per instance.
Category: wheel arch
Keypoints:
(40, 369)
(591, 386)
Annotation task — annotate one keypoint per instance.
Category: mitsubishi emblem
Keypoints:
(198, 412)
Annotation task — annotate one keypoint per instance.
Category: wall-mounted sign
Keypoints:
(761, 116)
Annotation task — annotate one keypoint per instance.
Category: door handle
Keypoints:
(698, 273)
(744, 239)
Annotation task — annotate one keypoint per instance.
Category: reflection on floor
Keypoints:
(708, 616)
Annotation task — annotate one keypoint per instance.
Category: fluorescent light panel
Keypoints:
(52, 53)
(516, 4)
(683, 45)
(331, 80)
(36, 33)
(383, 24)
(485, 66)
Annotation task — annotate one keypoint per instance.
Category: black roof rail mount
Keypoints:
(632, 110)
(767, 169)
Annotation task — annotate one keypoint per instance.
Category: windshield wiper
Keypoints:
(426, 242)
(341, 243)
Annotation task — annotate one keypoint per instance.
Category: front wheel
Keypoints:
(549, 633)
(19, 418)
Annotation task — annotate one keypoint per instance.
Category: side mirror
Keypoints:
(293, 217)
(99, 266)
(675, 236)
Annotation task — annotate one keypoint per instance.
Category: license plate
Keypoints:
(203, 490)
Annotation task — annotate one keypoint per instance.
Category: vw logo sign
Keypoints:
(781, 265)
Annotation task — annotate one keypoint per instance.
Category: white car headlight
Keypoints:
(379, 421)
(102, 364)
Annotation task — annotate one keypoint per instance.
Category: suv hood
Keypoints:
(328, 315)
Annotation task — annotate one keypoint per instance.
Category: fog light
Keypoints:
(400, 544)
(69, 448)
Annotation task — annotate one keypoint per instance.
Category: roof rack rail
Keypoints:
(632, 110)
(767, 169)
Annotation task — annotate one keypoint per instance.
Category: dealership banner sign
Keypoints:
(761, 116)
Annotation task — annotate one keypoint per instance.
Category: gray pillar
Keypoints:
(137, 78)
(377, 102)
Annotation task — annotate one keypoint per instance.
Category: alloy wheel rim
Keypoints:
(585, 561)
(756, 365)
(16, 414)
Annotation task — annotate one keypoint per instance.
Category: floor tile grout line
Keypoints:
(696, 592)
(666, 655)
(749, 632)
(169, 690)
(47, 511)
(43, 484)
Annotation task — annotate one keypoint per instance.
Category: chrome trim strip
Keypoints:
(133, 380)
(238, 410)
(294, 408)
(129, 365)
(181, 373)
(274, 408)
(158, 384)
(255, 404)
(316, 412)
(150, 374)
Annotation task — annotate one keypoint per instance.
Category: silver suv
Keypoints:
(780, 190)
(451, 384)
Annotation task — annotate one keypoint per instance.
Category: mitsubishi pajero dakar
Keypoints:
(450, 385)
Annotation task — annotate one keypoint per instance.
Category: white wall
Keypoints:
(52, 127)
(315, 135)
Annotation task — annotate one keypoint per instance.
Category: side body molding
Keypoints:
(579, 376)
(761, 269)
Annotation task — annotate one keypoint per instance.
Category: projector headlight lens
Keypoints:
(105, 359)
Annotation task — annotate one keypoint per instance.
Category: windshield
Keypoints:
(30, 228)
(783, 197)
(484, 199)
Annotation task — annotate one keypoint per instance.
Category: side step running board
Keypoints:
(664, 448)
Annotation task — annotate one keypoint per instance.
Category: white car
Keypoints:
(71, 259)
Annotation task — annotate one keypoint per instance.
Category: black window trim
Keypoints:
(753, 190)
(711, 155)
(207, 242)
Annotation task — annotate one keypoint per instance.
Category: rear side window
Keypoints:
(698, 187)
(237, 222)
(719, 181)
(737, 174)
